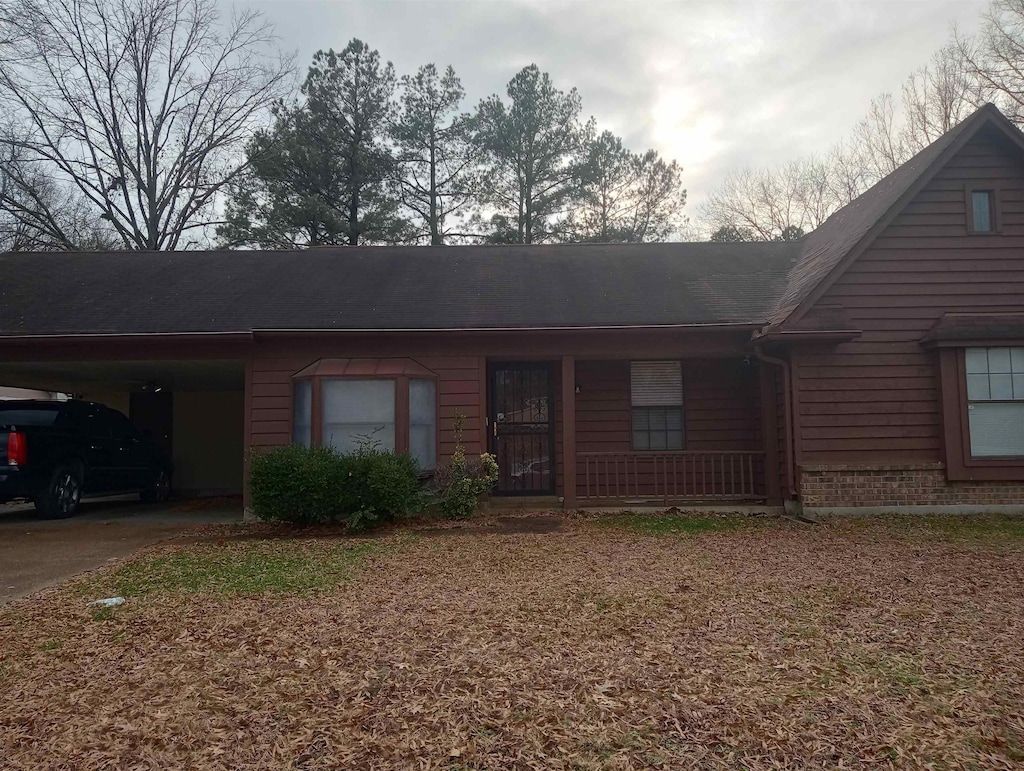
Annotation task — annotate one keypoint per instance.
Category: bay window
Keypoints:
(358, 412)
(423, 421)
(388, 404)
(302, 425)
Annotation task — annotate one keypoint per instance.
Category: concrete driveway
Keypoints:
(37, 553)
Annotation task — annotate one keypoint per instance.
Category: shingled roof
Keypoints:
(469, 287)
(389, 288)
(826, 246)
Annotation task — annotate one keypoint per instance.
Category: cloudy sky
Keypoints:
(715, 84)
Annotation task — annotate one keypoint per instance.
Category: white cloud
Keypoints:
(715, 85)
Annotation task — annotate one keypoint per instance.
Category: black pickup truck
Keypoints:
(52, 453)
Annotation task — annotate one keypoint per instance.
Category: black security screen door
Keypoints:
(523, 428)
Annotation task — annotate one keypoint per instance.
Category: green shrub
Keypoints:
(301, 485)
(381, 486)
(313, 485)
(459, 485)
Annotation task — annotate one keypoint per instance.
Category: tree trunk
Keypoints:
(435, 225)
(353, 200)
(526, 220)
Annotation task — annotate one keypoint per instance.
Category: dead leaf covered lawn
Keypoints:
(610, 644)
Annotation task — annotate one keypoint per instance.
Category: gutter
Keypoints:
(787, 405)
(808, 335)
(725, 327)
(126, 337)
(250, 335)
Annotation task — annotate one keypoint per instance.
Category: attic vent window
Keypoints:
(982, 211)
(981, 205)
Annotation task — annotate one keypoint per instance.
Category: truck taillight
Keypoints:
(17, 452)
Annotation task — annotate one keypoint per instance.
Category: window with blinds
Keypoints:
(656, 395)
(995, 401)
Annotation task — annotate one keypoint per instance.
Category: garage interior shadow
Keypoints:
(194, 408)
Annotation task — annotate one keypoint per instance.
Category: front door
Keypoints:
(522, 417)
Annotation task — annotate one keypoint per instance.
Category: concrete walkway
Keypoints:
(37, 553)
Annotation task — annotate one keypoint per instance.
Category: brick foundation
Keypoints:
(881, 486)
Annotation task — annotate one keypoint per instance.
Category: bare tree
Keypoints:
(938, 96)
(878, 138)
(762, 204)
(770, 204)
(994, 57)
(38, 215)
(141, 107)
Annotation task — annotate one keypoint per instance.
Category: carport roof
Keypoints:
(393, 288)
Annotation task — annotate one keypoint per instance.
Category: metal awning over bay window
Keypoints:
(390, 404)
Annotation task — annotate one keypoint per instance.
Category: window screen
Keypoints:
(356, 412)
(995, 401)
(302, 413)
(423, 422)
(981, 211)
(656, 393)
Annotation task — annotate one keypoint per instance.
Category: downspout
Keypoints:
(787, 407)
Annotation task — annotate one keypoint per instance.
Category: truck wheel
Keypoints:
(63, 493)
(159, 488)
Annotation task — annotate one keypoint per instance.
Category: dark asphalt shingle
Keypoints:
(392, 288)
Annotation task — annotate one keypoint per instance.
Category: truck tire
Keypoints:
(158, 489)
(63, 493)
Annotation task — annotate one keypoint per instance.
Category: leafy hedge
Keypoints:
(314, 485)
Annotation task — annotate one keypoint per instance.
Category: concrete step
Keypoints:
(523, 503)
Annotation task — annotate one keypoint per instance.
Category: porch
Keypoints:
(717, 442)
(671, 476)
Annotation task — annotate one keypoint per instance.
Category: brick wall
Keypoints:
(899, 485)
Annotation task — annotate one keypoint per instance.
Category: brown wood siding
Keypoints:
(720, 396)
(775, 401)
(721, 399)
(877, 399)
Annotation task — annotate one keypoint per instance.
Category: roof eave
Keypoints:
(806, 335)
(710, 327)
(78, 337)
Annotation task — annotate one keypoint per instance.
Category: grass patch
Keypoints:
(667, 524)
(977, 526)
(101, 613)
(951, 527)
(239, 568)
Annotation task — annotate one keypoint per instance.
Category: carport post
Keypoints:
(569, 432)
(247, 513)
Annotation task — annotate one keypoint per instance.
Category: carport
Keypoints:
(195, 407)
